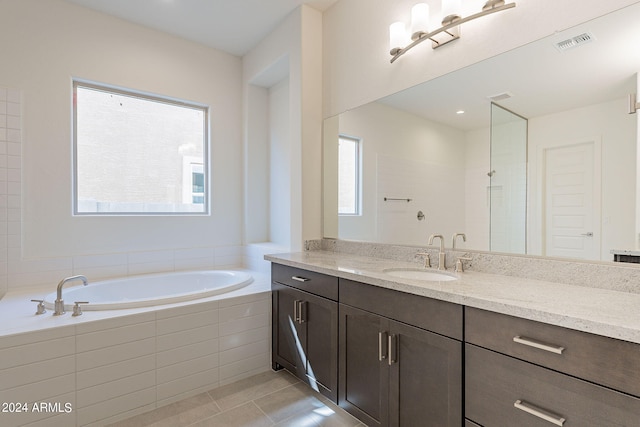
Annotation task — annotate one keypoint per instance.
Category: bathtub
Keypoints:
(108, 365)
(150, 289)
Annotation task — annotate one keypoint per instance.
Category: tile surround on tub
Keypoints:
(10, 175)
(594, 274)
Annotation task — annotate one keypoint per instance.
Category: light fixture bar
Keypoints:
(450, 31)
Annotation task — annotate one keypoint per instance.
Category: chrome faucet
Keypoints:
(441, 255)
(455, 236)
(59, 305)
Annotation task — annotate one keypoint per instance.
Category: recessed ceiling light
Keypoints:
(460, 112)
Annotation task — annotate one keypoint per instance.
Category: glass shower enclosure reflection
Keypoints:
(507, 190)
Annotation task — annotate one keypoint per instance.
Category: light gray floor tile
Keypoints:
(177, 414)
(286, 403)
(246, 415)
(251, 388)
(267, 399)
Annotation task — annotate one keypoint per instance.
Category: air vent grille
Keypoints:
(500, 96)
(574, 41)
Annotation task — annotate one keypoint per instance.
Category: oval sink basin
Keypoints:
(419, 274)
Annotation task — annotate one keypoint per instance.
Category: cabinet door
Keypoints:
(364, 374)
(425, 378)
(305, 338)
(287, 334)
(319, 317)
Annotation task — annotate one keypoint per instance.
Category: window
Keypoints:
(349, 175)
(136, 153)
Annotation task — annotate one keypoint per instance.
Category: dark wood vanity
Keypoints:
(392, 358)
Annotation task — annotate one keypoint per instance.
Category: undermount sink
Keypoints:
(420, 274)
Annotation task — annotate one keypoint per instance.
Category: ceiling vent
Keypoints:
(500, 96)
(573, 42)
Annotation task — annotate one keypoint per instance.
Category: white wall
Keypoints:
(44, 45)
(477, 212)
(291, 53)
(405, 156)
(356, 43)
(279, 161)
(10, 176)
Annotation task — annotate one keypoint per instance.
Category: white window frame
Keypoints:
(204, 162)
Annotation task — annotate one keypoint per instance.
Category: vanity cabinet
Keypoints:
(526, 373)
(305, 327)
(396, 367)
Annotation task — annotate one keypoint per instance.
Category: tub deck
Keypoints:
(17, 312)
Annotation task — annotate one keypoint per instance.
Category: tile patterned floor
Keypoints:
(267, 399)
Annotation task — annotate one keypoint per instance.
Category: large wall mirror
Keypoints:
(532, 151)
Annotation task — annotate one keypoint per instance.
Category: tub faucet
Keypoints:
(441, 255)
(59, 305)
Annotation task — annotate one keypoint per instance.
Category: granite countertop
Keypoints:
(604, 312)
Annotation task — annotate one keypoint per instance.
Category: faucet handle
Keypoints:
(427, 260)
(460, 264)
(40, 308)
(77, 311)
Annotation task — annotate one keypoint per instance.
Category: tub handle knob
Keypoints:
(77, 310)
(40, 308)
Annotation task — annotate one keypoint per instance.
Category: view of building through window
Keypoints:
(137, 154)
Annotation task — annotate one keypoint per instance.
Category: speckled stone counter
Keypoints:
(605, 312)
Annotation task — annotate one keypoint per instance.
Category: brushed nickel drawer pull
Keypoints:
(299, 279)
(392, 350)
(540, 413)
(302, 312)
(381, 346)
(538, 344)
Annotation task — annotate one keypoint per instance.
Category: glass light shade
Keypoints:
(397, 36)
(451, 8)
(419, 19)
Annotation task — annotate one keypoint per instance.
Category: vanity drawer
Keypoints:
(607, 361)
(503, 391)
(309, 281)
(441, 317)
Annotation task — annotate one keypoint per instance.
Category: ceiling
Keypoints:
(233, 26)
(541, 79)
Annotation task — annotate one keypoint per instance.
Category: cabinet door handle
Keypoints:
(302, 311)
(392, 349)
(538, 344)
(296, 315)
(382, 346)
(299, 279)
(540, 413)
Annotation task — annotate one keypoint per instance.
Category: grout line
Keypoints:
(273, 422)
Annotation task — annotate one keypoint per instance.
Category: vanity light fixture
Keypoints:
(634, 105)
(450, 30)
